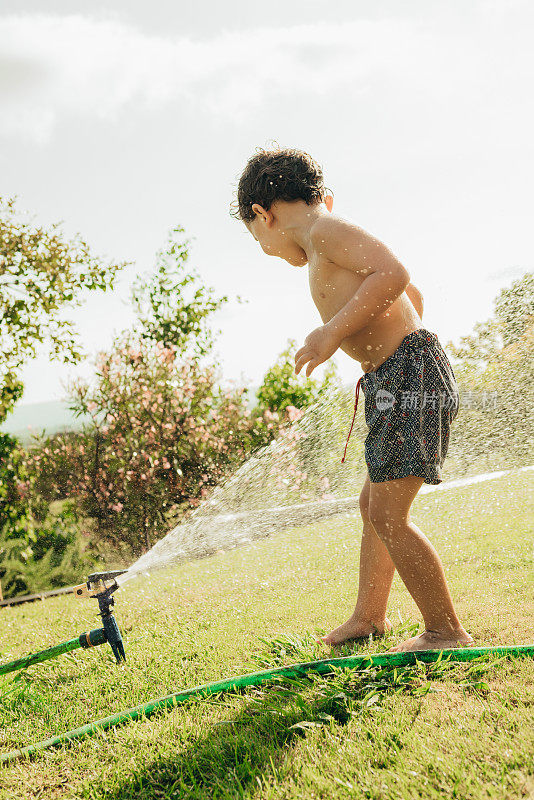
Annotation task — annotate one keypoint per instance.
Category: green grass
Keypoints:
(465, 731)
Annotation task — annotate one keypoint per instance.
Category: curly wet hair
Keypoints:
(277, 174)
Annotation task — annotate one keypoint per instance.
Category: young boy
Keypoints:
(373, 313)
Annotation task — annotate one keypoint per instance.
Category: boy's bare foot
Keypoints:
(355, 629)
(435, 640)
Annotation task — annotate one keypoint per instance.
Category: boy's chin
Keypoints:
(297, 263)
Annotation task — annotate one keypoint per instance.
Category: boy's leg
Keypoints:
(376, 576)
(417, 563)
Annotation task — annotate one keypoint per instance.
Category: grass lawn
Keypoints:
(462, 731)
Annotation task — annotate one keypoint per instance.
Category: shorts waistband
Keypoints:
(413, 341)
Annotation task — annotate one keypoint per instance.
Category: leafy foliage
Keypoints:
(495, 372)
(172, 304)
(281, 387)
(41, 275)
(15, 512)
(162, 432)
(55, 556)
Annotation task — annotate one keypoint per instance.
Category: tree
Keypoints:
(172, 304)
(495, 372)
(282, 400)
(162, 430)
(42, 275)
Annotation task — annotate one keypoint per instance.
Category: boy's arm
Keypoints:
(416, 298)
(384, 280)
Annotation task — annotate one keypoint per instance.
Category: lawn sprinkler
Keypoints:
(100, 585)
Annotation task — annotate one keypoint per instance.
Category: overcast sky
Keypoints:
(125, 119)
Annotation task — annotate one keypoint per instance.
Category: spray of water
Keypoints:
(298, 479)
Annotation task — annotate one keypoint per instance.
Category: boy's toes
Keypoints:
(325, 640)
(354, 631)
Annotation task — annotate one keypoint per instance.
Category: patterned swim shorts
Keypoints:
(410, 401)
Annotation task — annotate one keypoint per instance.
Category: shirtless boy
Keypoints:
(373, 313)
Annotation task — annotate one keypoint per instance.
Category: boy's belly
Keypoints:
(331, 287)
(374, 343)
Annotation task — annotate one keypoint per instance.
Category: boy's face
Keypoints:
(274, 242)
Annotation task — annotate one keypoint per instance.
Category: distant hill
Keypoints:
(50, 416)
(53, 416)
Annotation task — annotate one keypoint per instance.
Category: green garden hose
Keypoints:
(255, 678)
(91, 639)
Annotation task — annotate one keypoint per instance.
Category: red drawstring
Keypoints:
(353, 417)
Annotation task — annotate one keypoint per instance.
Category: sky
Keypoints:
(126, 119)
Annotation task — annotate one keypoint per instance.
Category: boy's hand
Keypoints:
(318, 346)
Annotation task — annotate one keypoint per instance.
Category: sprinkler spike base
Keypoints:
(101, 586)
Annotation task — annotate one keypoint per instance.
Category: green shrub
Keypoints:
(56, 556)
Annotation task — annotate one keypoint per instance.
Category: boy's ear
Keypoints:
(329, 202)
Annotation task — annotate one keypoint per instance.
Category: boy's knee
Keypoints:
(382, 516)
(377, 514)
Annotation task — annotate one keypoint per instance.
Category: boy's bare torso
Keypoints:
(332, 286)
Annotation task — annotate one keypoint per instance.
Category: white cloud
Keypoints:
(57, 65)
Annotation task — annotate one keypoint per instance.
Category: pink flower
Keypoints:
(294, 413)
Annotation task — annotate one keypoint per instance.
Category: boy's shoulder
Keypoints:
(343, 242)
(330, 227)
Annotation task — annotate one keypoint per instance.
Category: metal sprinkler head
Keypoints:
(101, 585)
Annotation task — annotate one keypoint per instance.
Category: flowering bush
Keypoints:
(162, 433)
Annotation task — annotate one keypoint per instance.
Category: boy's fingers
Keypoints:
(311, 366)
(302, 360)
